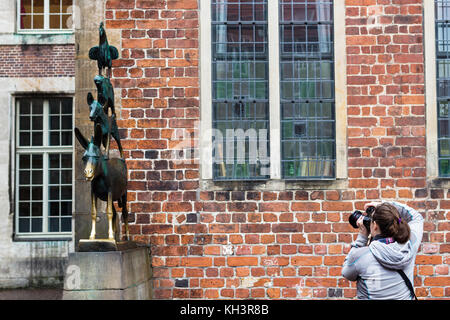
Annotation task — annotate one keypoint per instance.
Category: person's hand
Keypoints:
(372, 204)
(362, 228)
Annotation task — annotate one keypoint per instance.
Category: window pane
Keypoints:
(37, 177)
(65, 5)
(36, 161)
(37, 139)
(55, 21)
(38, 21)
(36, 209)
(54, 139)
(66, 208)
(24, 193)
(66, 106)
(24, 225)
(38, 6)
(25, 6)
(36, 225)
(25, 22)
(24, 177)
(66, 224)
(36, 193)
(37, 106)
(54, 176)
(66, 176)
(66, 21)
(54, 208)
(66, 122)
(66, 160)
(24, 209)
(240, 90)
(53, 224)
(24, 106)
(24, 161)
(54, 160)
(66, 138)
(55, 6)
(54, 193)
(66, 193)
(24, 139)
(24, 123)
(307, 89)
(55, 105)
(54, 122)
(37, 123)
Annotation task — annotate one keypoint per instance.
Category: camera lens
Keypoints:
(353, 218)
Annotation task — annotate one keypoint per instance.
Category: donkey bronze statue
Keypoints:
(108, 179)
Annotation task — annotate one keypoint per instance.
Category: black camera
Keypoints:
(366, 220)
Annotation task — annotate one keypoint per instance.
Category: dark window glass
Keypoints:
(240, 90)
(307, 89)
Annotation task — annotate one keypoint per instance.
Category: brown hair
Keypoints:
(390, 223)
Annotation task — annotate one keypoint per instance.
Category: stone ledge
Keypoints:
(108, 275)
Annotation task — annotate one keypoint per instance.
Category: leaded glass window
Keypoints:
(44, 166)
(442, 15)
(240, 89)
(307, 89)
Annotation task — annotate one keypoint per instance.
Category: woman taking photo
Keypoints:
(383, 267)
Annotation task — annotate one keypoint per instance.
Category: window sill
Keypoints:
(37, 38)
(42, 31)
(274, 185)
(42, 237)
(439, 182)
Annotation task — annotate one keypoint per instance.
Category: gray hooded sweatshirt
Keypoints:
(374, 266)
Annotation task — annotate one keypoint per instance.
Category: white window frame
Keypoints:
(275, 181)
(44, 150)
(46, 21)
(432, 166)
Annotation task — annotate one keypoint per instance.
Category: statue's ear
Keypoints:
(81, 139)
(90, 98)
(98, 135)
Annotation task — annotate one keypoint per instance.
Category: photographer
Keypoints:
(396, 232)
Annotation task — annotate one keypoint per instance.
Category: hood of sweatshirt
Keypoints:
(393, 255)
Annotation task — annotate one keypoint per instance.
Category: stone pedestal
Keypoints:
(112, 275)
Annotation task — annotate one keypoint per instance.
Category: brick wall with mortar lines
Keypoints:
(273, 244)
(21, 61)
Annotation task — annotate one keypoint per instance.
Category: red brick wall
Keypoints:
(17, 61)
(286, 244)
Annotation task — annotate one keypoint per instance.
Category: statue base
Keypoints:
(108, 275)
(104, 245)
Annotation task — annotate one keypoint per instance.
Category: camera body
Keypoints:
(366, 220)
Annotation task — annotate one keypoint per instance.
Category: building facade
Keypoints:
(37, 69)
(251, 129)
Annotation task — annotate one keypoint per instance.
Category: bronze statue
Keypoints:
(108, 124)
(105, 93)
(103, 53)
(108, 179)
